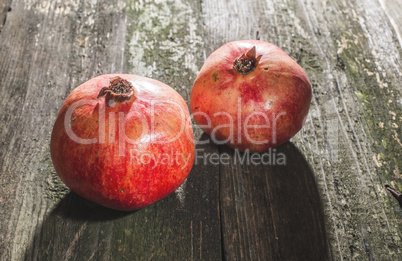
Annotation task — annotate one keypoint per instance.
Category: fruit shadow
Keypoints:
(79, 228)
(271, 206)
(266, 210)
(73, 215)
(76, 208)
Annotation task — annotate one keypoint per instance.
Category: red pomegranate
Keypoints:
(251, 96)
(123, 141)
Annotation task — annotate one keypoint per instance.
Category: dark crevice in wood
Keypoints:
(4, 21)
(6, 9)
(220, 209)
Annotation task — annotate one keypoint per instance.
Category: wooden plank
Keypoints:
(351, 52)
(178, 227)
(271, 208)
(5, 8)
(327, 202)
(48, 48)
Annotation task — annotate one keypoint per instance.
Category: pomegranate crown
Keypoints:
(119, 90)
(247, 62)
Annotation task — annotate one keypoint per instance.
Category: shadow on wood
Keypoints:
(183, 226)
(76, 208)
(240, 207)
(72, 218)
(270, 207)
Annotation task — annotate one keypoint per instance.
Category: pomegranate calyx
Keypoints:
(247, 62)
(119, 90)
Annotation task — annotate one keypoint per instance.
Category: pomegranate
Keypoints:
(251, 96)
(123, 141)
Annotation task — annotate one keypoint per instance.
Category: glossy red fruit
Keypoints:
(123, 141)
(251, 96)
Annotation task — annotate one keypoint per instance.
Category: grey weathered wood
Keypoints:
(271, 208)
(4, 9)
(185, 227)
(327, 202)
(49, 48)
(351, 52)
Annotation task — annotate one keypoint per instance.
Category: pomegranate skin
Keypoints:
(251, 111)
(130, 154)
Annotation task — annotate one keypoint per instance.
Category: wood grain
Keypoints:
(49, 49)
(5, 8)
(351, 52)
(328, 202)
(178, 227)
(271, 208)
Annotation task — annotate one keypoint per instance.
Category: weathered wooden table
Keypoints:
(327, 203)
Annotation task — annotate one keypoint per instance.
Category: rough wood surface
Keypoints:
(4, 9)
(271, 209)
(327, 202)
(351, 51)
